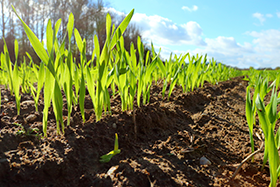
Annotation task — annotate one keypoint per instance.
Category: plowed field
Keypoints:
(161, 143)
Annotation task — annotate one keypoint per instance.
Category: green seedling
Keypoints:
(28, 131)
(268, 116)
(106, 158)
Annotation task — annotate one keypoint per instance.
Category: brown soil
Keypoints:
(165, 150)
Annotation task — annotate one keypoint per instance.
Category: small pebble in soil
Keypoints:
(203, 114)
(209, 96)
(114, 125)
(28, 102)
(31, 118)
(111, 171)
(204, 161)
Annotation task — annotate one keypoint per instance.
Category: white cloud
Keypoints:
(114, 11)
(268, 39)
(194, 8)
(278, 14)
(195, 32)
(259, 16)
(164, 31)
(269, 15)
(262, 51)
(225, 49)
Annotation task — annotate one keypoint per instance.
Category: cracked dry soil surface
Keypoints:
(161, 143)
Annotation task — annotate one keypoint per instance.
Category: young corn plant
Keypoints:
(268, 116)
(179, 63)
(82, 48)
(16, 86)
(52, 69)
(145, 73)
(148, 75)
(108, 156)
(51, 88)
(16, 80)
(166, 70)
(68, 81)
(260, 87)
(121, 76)
(115, 41)
(12, 73)
(132, 74)
(5, 58)
(25, 75)
(196, 71)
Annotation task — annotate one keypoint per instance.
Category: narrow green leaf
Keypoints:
(96, 49)
(48, 92)
(16, 86)
(37, 45)
(108, 26)
(78, 40)
(249, 117)
(82, 96)
(122, 28)
(70, 27)
(16, 49)
(56, 27)
(49, 35)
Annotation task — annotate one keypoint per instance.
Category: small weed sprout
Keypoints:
(106, 158)
(27, 132)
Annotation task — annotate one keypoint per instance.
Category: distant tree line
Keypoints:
(90, 20)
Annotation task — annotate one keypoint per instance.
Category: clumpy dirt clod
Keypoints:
(161, 143)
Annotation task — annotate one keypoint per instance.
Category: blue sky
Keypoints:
(238, 33)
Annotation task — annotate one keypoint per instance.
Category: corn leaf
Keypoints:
(122, 27)
(37, 45)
